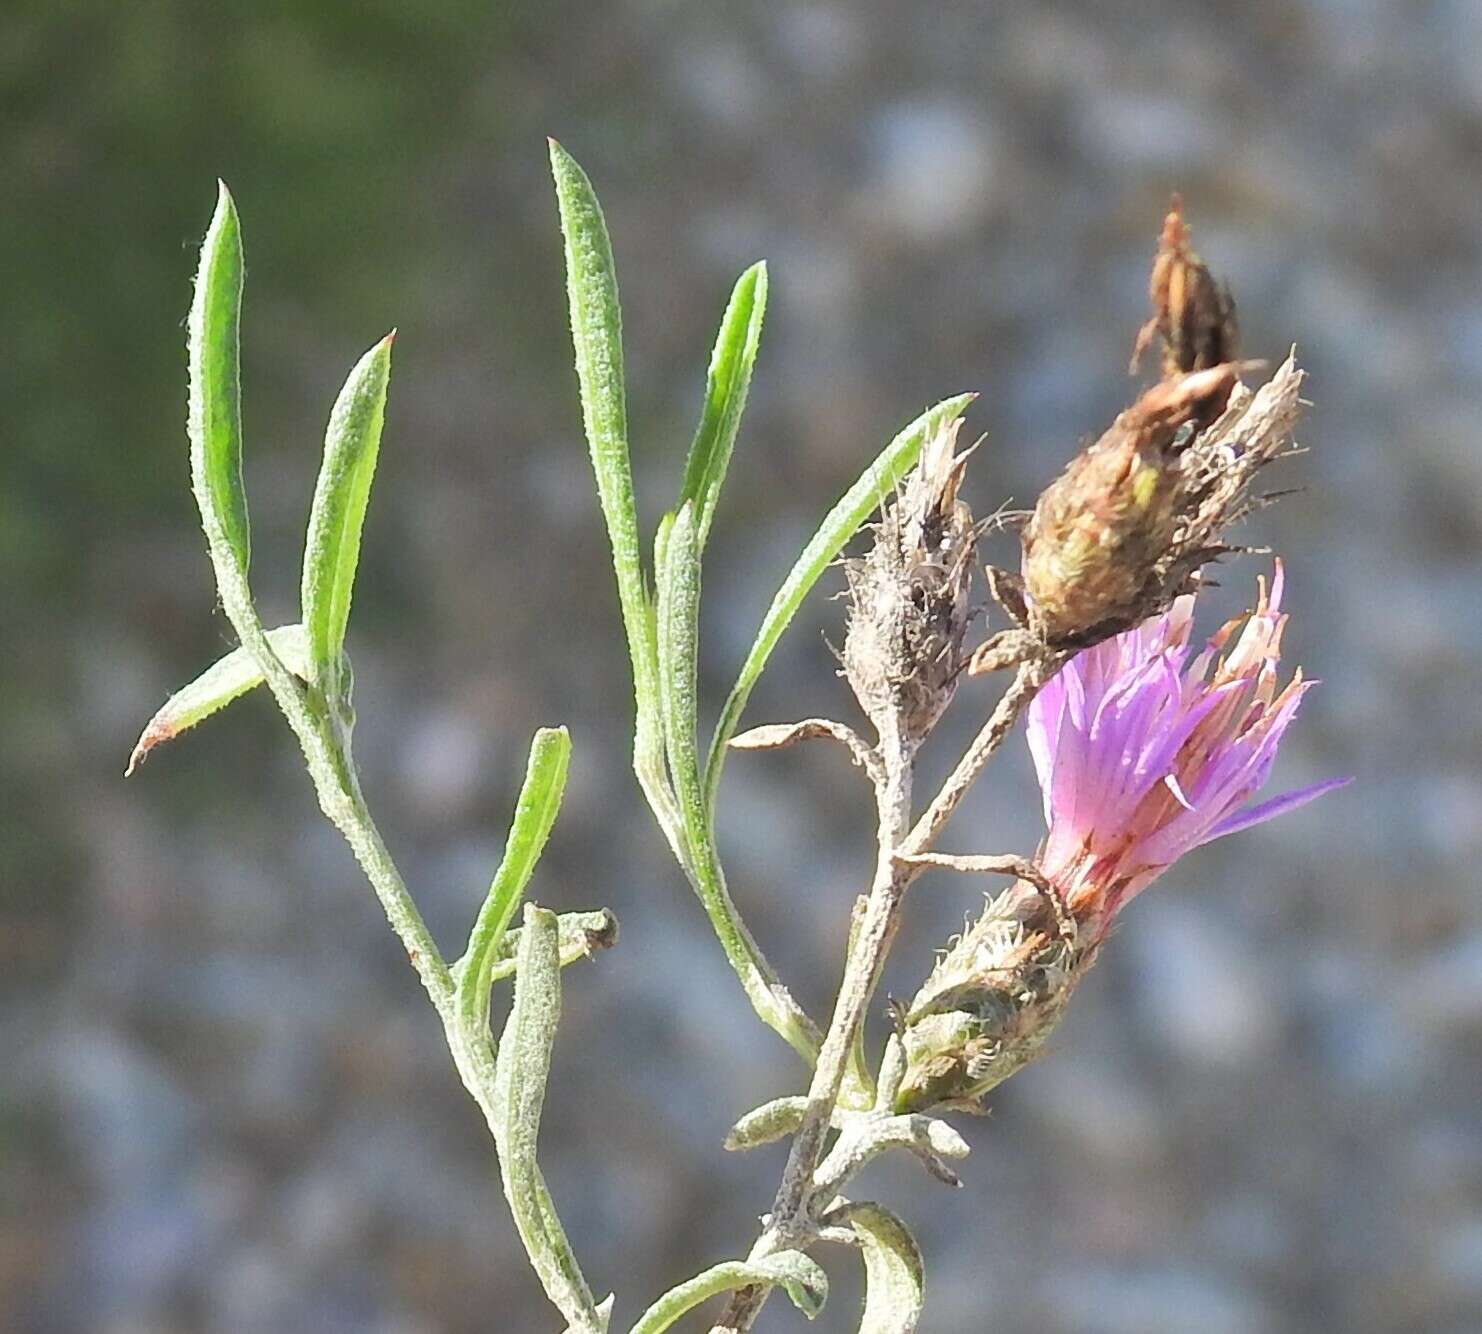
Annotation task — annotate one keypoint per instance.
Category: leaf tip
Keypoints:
(226, 206)
(157, 733)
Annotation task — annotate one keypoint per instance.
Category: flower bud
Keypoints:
(910, 598)
(990, 1003)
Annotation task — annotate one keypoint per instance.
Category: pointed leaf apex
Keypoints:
(155, 734)
(226, 206)
(216, 687)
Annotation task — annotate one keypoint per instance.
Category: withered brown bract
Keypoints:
(1194, 314)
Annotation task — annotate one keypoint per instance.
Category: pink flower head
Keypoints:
(1141, 758)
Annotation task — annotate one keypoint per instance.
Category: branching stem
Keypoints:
(901, 855)
(325, 742)
(1027, 681)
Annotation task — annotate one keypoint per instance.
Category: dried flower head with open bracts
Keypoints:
(1134, 516)
(1099, 531)
(1127, 527)
(1144, 752)
(910, 597)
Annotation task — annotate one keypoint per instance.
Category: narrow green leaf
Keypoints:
(678, 625)
(535, 814)
(581, 935)
(226, 679)
(894, 1273)
(520, 1075)
(801, 1278)
(679, 631)
(729, 378)
(215, 414)
(596, 329)
(332, 548)
(597, 336)
(842, 522)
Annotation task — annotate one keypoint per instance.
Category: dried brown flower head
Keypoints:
(1098, 530)
(1132, 519)
(910, 598)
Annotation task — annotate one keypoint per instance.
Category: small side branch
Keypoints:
(1026, 684)
(1021, 868)
(776, 736)
(932, 1141)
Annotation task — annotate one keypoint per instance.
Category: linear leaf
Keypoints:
(597, 336)
(214, 421)
(332, 547)
(678, 650)
(535, 814)
(679, 629)
(520, 1075)
(801, 1278)
(841, 523)
(726, 384)
(226, 679)
(894, 1272)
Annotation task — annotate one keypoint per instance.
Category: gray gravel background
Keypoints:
(224, 1105)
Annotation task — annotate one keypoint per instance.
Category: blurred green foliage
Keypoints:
(117, 120)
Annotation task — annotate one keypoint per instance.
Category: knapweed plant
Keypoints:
(1145, 745)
